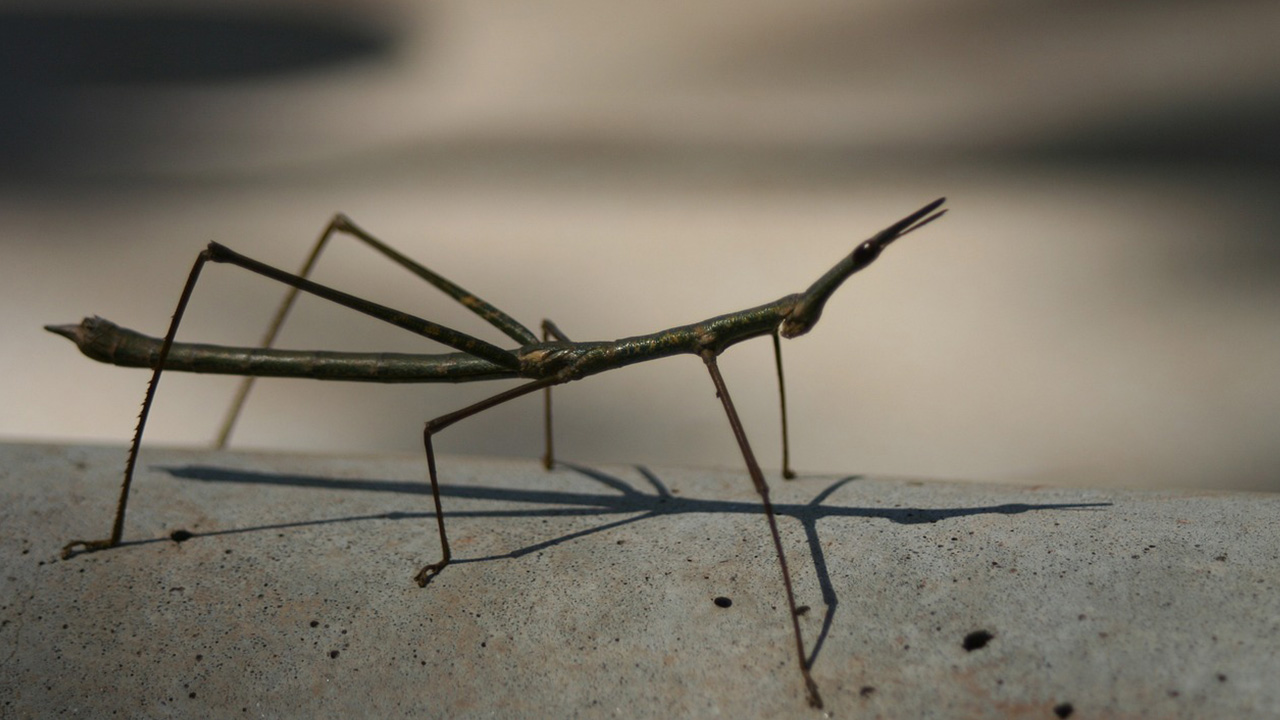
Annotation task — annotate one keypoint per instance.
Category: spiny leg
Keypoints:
(549, 330)
(757, 477)
(432, 427)
(342, 225)
(787, 472)
(117, 526)
(218, 253)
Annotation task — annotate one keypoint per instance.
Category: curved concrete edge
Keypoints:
(592, 591)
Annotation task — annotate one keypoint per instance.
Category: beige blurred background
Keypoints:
(1101, 306)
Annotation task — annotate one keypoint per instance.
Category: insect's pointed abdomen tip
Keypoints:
(79, 333)
(71, 332)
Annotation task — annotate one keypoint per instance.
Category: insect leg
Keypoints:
(217, 253)
(787, 472)
(757, 477)
(342, 225)
(432, 427)
(117, 526)
(414, 324)
(549, 330)
(273, 329)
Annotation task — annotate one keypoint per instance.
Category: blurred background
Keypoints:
(1100, 307)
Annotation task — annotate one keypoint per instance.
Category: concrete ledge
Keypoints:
(591, 592)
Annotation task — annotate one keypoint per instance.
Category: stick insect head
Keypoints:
(808, 308)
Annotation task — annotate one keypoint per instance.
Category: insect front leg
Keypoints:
(787, 472)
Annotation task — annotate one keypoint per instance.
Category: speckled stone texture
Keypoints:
(592, 591)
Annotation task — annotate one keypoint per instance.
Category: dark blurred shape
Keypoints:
(76, 85)
(1237, 131)
(44, 49)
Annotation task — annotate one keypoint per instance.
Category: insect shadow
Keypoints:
(622, 499)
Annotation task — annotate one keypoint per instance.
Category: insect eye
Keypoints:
(866, 252)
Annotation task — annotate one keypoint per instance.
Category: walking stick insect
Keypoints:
(553, 360)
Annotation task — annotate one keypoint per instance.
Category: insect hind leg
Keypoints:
(340, 224)
(117, 527)
(220, 254)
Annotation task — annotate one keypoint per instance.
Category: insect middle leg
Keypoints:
(342, 225)
(432, 427)
(549, 331)
(762, 488)
(787, 472)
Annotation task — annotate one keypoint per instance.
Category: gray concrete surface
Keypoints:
(589, 592)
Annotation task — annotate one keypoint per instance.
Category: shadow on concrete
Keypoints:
(624, 499)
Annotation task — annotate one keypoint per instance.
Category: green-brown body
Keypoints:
(544, 364)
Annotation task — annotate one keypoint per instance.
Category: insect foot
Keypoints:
(87, 546)
(811, 692)
(426, 574)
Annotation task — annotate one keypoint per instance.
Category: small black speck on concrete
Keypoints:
(976, 640)
(180, 535)
(722, 601)
(1063, 710)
